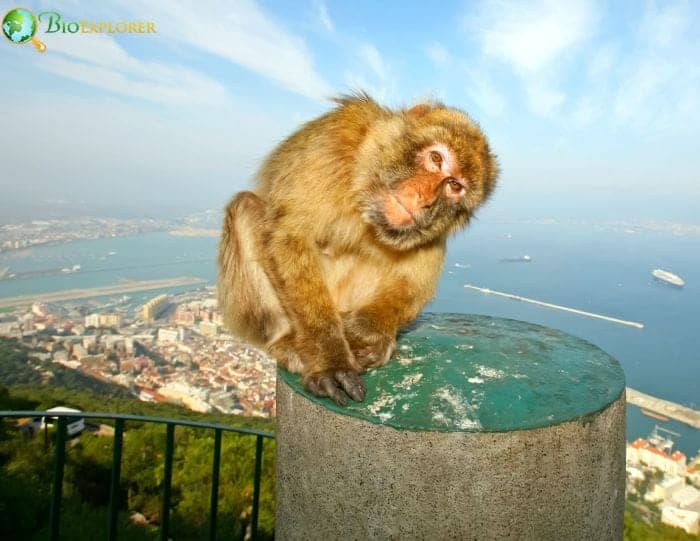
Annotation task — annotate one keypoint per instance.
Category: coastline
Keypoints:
(116, 289)
(195, 232)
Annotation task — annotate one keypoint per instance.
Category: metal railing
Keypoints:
(119, 419)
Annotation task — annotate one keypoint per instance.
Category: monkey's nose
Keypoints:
(426, 200)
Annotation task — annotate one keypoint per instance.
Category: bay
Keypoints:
(604, 270)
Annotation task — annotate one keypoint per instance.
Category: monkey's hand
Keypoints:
(332, 369)
(333, 383)
(371, 346)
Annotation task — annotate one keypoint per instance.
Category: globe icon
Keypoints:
(19, 26)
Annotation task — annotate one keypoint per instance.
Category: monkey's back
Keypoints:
(320, 154)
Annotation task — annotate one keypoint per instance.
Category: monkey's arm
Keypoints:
(371, 330)
(319, 341)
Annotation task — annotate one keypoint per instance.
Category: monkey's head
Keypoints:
(422, 174)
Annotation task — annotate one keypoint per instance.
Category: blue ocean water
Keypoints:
(106, 261)
(594, 269)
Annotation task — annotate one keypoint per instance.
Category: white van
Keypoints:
(74, 424)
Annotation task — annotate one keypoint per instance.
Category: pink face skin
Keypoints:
(438, 173)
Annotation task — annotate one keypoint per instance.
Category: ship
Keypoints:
(71, 270)
(521, 259)
(662, 443)
(668, 278)
(4, 273)
(653, 415)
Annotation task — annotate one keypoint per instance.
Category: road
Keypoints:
(117, 289)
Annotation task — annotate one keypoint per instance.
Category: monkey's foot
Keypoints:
(371, 355)
(370, 345)
(337, 386)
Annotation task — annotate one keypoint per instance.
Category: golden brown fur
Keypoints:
(343, 241)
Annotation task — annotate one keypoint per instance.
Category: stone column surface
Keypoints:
(477, 428)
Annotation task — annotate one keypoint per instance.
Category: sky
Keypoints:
(592, 107)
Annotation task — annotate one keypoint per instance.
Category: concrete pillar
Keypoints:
(478, 428)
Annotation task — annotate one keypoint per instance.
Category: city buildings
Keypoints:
(103, 320)
(186, 359)
(154, 308)
(641, 450)
(662, 479)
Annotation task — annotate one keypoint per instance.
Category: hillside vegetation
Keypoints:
(26, 462)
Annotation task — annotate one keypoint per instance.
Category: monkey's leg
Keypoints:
(247, 299)
(329, 368)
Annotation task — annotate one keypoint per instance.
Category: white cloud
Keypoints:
(664, 25)
(641, 95)
(105, 149)
(585, 112)
(658, 84)
(370, 55)
(531, 36)
(241, 32)
(602, 63)
(544, 100)
(483, 93)
(323, 16)
(438, 55)
(98, 60)
(371, 74)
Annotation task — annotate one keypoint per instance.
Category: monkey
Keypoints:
(342, 242)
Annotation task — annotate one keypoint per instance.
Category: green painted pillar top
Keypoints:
(470, 373)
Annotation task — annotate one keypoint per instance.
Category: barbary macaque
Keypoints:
(343, 240)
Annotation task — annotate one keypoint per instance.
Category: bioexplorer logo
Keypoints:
(20, 26)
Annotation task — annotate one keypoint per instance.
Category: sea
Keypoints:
(603, 269)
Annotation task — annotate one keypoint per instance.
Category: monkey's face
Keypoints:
(444, 180)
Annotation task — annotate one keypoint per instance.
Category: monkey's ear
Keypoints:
(419, 110)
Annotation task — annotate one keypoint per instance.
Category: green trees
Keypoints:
(641, 531)
(26, 462)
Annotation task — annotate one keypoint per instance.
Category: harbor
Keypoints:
(117, 289)
(663, 408)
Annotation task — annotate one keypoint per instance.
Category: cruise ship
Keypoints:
(668, 277)
(520, 259)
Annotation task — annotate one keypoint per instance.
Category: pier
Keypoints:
(117, 289)
(664, 408)
(556, 306)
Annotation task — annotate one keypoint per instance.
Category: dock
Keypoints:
(664, 408)
(556, 306)
(117, 289)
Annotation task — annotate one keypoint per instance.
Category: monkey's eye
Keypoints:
(455, 185)
(435, 157)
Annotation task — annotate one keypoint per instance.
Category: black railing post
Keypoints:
(256, 486)
(167, 481)
(57, 490)
(215, 484)
(114, 492)
(61, 424)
